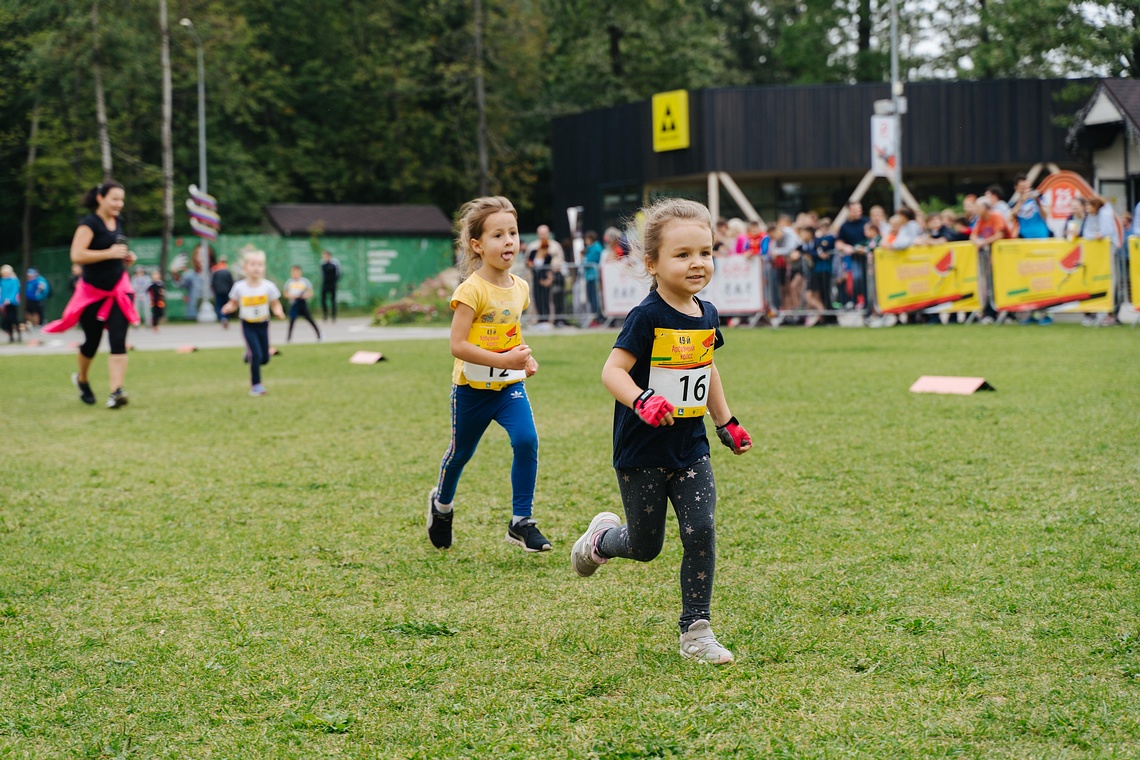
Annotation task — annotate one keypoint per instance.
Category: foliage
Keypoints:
(427, 304)
(372, 101)
(205, 574)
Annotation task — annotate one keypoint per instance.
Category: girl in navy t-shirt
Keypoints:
(662, 375)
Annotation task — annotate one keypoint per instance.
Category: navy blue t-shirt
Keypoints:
(851, 231)
(824, 247)
(636, 444)
(105, 274)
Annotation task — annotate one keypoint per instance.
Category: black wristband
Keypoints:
(643, 397)
(731, 421)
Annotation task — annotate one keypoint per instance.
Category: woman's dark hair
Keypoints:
(90, 199)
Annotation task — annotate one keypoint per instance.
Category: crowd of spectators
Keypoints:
(818, 266)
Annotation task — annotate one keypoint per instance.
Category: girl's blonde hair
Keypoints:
(646, 246)
(251, 251)
(469, 226)
(7, 271)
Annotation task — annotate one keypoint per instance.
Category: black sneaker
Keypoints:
(525, 534)
(438, 524)
(117, 398)
(85, 394)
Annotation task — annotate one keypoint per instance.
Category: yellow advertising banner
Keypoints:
(931, 278)
(1059, 275)
(1134, 270)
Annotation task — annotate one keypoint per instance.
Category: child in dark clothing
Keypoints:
(822, 264)
(156, 292)
(806, 270)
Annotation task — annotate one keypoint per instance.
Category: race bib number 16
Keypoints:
(497, 338)
(680, 367)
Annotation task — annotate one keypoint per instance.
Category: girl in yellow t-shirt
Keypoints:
(491, 363)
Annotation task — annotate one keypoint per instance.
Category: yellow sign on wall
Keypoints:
(931, 278)
(670, 121)
(1060, 275)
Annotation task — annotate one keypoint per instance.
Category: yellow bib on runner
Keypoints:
(680, 367)
(497, 338)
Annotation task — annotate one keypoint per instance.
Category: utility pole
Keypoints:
(896, 98)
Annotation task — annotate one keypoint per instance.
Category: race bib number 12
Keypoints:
(497, 338)
(680, 367)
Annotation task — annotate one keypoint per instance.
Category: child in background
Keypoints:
(754, 241)
(140, 284)
(299, 290)
(491, 363)
(662, 374)
(156, 295)
(254, 298)
(823, 269)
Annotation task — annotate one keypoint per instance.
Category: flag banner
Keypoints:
(885, 147)
(1057, 275)
(204, 219)
(928, 278)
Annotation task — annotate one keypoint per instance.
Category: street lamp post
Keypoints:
(201, 105)
(205, 309)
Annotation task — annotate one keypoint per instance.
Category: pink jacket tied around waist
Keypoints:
(85, 295)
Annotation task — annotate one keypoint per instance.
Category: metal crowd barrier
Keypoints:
(948, 281)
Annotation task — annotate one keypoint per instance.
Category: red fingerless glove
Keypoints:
(732, 435)
(652, 409)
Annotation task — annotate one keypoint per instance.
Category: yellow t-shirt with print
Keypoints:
(497, 311)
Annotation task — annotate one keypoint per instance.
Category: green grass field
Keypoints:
(205, 574)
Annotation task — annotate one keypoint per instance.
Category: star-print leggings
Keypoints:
(644, 492)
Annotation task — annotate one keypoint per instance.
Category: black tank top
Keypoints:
(104, 275)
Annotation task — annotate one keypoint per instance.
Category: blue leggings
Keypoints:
(256, 336)
(471, 412)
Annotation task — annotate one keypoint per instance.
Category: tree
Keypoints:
(1003, 39)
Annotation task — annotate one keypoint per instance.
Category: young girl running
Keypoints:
(253, 299)
(491, 362)
(662, 374)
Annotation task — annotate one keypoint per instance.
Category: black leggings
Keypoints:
(644, 492)
(11, 320)
(116, 326)
(256, 336)
(300, 308)
(330, 294)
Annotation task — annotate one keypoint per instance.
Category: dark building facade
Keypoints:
(793, 149)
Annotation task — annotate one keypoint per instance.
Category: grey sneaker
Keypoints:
(583, 558)
(438, 523)
(699, 643)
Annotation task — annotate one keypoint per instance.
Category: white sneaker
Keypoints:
(583, 558)
(699, 643)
